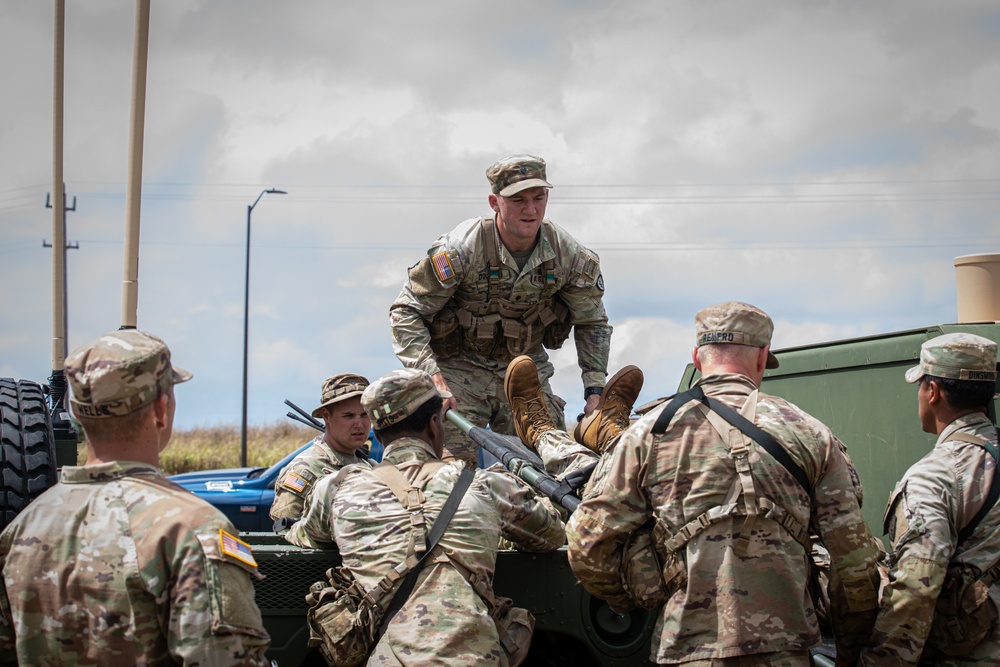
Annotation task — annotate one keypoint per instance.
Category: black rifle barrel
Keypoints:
(315, 423)
(500, 447)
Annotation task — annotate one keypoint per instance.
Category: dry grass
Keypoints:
(206, 448)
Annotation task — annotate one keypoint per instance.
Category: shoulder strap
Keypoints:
(435, 533)
(991, 497)
(754, 432)
(491, 244)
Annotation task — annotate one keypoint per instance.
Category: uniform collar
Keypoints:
(975, 422)
(105, 472)
(408, 449)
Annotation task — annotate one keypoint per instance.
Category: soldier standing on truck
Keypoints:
(939, 607)
(497, 287)
(346, 429)
(116, 564)
(733, 482)
(452, 616)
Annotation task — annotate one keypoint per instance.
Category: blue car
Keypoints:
(245, 494)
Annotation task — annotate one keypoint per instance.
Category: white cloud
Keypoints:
(825, 162)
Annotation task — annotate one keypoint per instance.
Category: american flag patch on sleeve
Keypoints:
(236, 548)
(443, 266)
(293, 482)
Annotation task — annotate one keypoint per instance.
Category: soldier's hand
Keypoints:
(592, 401)
(440, 383)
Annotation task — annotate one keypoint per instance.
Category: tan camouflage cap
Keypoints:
(336, 388)
(959, 356)
(515, 173)
(735, 323)
(397, 395)
(119, 373)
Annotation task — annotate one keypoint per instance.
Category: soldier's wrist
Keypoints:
(592, 391)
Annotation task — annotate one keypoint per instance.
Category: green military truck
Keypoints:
(855, 386)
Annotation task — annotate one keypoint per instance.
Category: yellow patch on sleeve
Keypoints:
(295, 483)
(234, 547)
(443, 267)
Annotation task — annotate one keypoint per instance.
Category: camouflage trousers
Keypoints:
(479, 395)
(563, 455)
(776, 659)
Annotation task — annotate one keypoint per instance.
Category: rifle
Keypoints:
(305, 417)
(510, 449)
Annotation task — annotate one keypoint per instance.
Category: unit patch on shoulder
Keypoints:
(443, 267)
(600, 282)
(234, 547)
(295, 483)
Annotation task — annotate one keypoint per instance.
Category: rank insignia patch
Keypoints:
(443, 266)
(236, 548)
(293, 482)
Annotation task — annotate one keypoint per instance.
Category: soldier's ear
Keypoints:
(694, 358)
(494, 203)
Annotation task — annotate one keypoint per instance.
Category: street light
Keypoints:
(246, 326)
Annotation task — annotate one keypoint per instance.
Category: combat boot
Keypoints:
(523, 390)
(611, 416)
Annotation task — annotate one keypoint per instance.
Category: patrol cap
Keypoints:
(336, 388)
(959, 356)
(120, 372)
(515, 173)
(397, 395)
(735, 323)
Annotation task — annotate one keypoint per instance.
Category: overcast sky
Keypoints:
(825, 161)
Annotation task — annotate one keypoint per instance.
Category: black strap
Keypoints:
(579, 478)
(433, 535)
(991, 499)
(751, 430)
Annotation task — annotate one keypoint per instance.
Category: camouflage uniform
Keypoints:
(746, 588)
(479, 321)
(116, 565)
(937, 497)
(444, 621)
(298, 480)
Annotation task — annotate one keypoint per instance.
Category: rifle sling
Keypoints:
(433, 535)
(991, 497)
(751, 430)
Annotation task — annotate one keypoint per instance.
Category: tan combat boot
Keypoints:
(611, 416)
(527, 404)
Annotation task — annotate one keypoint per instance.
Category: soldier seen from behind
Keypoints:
(731, 505)
(346, 430)
(116, 565)
(940, 604)
(494, 288)
(379, 518)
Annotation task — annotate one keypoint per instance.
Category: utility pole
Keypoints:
(66, 246)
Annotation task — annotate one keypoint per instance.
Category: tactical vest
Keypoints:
(494, 324)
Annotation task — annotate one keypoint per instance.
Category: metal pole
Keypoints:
(133, 190)
(58, 200)
(246, 327)
(246, 332)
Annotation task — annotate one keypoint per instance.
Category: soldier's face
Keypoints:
(520, 216)
(347, 425)
(927, 422)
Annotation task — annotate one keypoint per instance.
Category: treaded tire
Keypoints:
(27, 446)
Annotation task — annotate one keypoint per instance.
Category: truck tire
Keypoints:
(27, 446)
